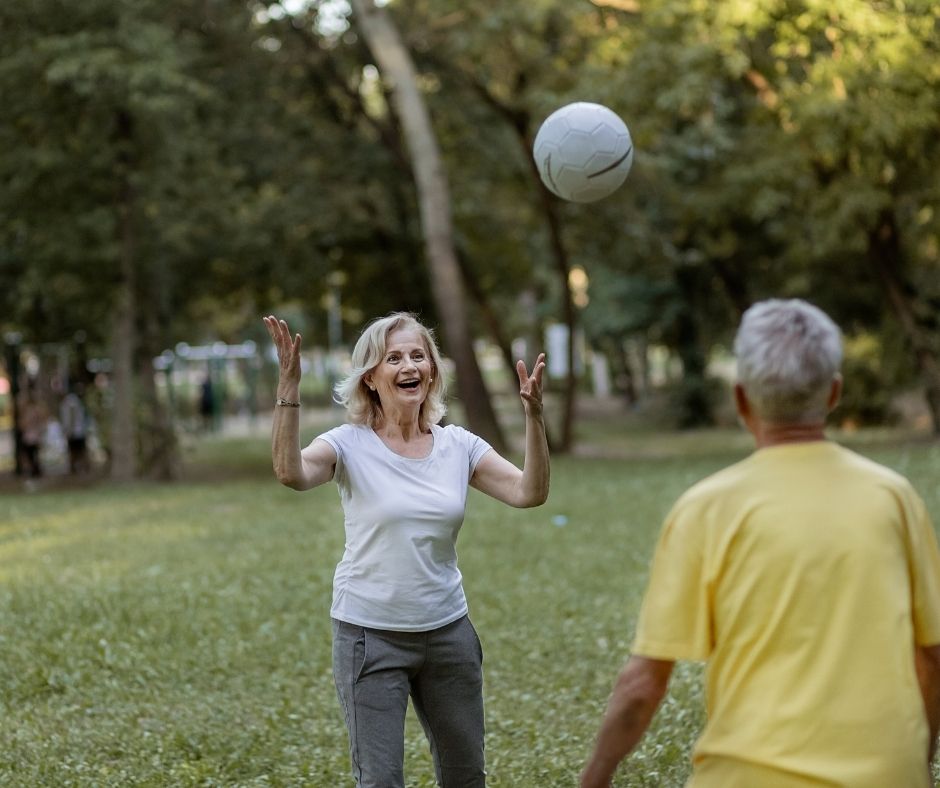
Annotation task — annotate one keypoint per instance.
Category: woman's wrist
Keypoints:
(290, 393)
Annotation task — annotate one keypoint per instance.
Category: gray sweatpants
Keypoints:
(376, 670)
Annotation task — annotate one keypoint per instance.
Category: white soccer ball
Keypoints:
(583, 152)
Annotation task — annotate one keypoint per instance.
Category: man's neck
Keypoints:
(768, 434)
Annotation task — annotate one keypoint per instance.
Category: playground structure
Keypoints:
(205, 382)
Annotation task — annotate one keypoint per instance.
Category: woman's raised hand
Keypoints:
(530, 386)
(288, 350)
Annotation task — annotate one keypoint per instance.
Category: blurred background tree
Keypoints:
(173, 170)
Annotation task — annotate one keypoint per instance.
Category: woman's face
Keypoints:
(403, 376)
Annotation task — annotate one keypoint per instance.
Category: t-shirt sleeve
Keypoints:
(675, 619)
(476, 447)
(924, 561)
(338, 438)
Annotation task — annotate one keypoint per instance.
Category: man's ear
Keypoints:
(742, 403)
(835, 392)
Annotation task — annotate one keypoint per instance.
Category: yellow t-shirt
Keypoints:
(804, 575)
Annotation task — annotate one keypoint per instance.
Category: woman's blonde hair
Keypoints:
(362, 404)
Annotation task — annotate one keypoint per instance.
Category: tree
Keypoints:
(91, 144)
(120, 192)
(434, 199)
(176, 168)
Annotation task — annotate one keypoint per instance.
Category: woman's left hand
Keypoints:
(530, 386)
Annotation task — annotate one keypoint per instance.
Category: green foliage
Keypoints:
(250, 176)
(102, 100)
(776, 144)
(869, 361)
(771, 141)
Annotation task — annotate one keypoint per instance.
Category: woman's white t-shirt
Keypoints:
(399, 569)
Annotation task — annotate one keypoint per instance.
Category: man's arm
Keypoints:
(927, 659)
(637, 694)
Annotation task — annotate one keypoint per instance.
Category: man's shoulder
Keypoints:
(717, 484)
(762, 470)
(865, 465)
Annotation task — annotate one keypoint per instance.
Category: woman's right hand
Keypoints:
(288, 356)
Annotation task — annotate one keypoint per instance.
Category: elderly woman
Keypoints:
(400, 624)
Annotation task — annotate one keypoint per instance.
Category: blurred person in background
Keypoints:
(73, 416)
(207, 404)
(33, 421)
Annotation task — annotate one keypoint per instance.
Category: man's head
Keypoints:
(789, 354)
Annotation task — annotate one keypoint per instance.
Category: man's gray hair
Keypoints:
(788, 354)
(363, 405)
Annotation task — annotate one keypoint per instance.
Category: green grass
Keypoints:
(179, 635)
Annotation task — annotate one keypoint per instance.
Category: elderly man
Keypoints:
(808, 578)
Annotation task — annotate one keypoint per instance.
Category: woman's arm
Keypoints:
(299, 470)
(499, 478)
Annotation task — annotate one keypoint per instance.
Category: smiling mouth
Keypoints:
(409, 384)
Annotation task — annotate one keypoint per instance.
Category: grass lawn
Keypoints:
(179, 635)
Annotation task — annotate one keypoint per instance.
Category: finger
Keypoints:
(274, 329)
(269, 325)
(295, 345)
(522, 372)
(539, 367)
(281, 336)
(273, 325)
(284, 337)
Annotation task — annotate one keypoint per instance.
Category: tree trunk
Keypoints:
(734, 283)
(160, 448)
(519, 121)
(396, 65)
(695, 408)
(123, 452)
(885, 256)
(624, 378)
(489, 315)
(13, 372)
(563, 269)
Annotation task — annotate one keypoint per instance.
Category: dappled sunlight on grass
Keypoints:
(179, 634)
